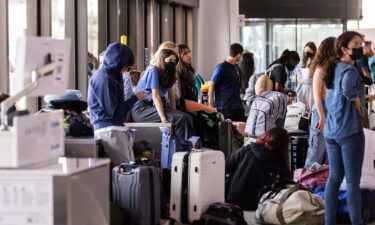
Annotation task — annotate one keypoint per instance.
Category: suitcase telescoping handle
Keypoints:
(126, 168)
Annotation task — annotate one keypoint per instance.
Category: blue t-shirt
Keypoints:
(150, 80)
(227, 87)
(343, 120)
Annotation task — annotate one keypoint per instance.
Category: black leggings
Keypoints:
(234, 114)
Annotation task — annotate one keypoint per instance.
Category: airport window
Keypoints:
(58, 19)
(93, 27)
(368, 17)
(17, 28)
(268, 38)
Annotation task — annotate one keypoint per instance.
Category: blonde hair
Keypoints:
(165, 45)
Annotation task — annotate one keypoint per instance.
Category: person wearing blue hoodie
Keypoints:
(108, 108)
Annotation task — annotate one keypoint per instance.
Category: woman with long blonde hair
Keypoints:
(156, 82)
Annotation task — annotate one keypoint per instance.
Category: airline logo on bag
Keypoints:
(297, 117)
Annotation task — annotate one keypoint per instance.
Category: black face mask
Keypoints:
(357, 53)
(170, 67)
(290, 67)
(308, 54)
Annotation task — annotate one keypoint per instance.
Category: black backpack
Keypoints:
(76, 123)
(223, 214)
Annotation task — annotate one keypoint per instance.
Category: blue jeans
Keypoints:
(345, 159)
(317, 145)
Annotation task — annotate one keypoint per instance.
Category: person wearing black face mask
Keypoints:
(304, 88)
(156, 82)
(343, 130)
(361, 57)
(288, 60)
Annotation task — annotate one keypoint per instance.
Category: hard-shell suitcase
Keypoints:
(197, 181)
(136, 190)
(171, 144)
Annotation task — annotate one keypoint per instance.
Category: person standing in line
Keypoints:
(224, 87)
(364, 70)
(343, 129)
(247, 69)
(304, 89)
(317, 147)
(371, 62)
(108, 108)
(287, 61)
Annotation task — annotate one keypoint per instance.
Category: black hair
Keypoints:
(246, 69)
(166, 79)
(131, 61)
(286, 56)
(235, 49)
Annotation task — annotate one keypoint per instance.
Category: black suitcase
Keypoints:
(223, 214)
(299, 144)
(136, 191)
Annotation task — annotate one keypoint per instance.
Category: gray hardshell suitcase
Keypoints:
(136, 190)
(267, 111)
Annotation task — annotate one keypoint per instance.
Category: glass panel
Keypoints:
(58, 19)
(283, 34)
(17, 28)
(316, 31)
(92, 26)
(368, 19)
(253, 38)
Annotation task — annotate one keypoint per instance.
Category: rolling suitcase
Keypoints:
(136, 190)
(197, 181)
(171, 144)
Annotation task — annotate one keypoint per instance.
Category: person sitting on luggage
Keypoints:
(225, 87)
(248, 169)
(108, 108)
(186, 83)
(287, 61)
(157, 81)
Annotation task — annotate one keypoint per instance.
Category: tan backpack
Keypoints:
(264, 82)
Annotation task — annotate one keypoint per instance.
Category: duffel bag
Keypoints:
(291, 205)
